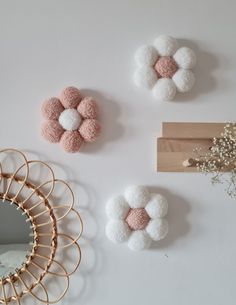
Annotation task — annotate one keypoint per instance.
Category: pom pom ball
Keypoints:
(52, 131)
(137, 196)
(184, 80)
(117, 207)
(157, 228)
(52, 108)
(164, 90)
(139, 240)
(185, 58)
(88, 108)
(157, 206)
(145, 77)
(70, 97)
(137, 219)
(166, 67)
(90, 129)
(70, 119)
(146, 56)
(117, 231)
(71, 141)
(166, 45)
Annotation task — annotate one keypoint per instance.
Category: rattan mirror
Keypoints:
(39, 247)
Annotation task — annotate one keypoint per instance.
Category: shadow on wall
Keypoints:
(205, 81)
(82, 283)
(108, 117)
(177, 218)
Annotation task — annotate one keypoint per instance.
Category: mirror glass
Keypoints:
(15, 238)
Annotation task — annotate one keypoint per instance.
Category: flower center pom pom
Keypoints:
(166, 67)
(137, 219)
(70, 119)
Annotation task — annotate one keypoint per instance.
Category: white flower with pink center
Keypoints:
(137, 217)
(165, 68)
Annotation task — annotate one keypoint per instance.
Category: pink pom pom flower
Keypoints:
(70, 120)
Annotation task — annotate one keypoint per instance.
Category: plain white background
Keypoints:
(47, 45)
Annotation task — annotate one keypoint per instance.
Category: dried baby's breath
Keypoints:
(220, 160)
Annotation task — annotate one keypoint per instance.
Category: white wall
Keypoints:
(47, 45)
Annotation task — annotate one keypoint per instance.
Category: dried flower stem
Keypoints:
(220, 160)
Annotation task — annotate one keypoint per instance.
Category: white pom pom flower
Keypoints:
(137, 217)
(164, 68)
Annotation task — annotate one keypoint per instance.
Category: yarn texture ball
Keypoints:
(117, 207)
(90, 130)
(52, 131)
(185, 58)
(139, 240)
(137, 217)
(70, 97)
(117, 231)
(52, 108)
(71, 141)
(157, 229)
(145, 77)
(166, 45)
(164, 89)
(137, 196)
(164, 68)
(70, 120)
(157, 206)
(184, 80)
(88, 108)
(146, 55)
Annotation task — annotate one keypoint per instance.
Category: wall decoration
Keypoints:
(71, 120)
(188, 147)
(39, 249)
(209, 148)
(220, 160)
(178, 141)
(137, 217)
(165, 68)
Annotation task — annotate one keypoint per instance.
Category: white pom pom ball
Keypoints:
(184, 80)
(157, 206)
(164, 90)
(145, 77)
(185, 58)
(139, 240)
(137, 196)
(157, 228)
(146, 56)
(117, 231)
(117, 207)
(166, 45)
(70, 119)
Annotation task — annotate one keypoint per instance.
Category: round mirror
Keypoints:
(15, 238)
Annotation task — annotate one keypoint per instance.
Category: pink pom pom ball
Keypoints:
(52, 131)
(52, 108)
(88, 108)
(166, 67)
(137, 219)
(70, 97)
(90, 130)
(71, 141)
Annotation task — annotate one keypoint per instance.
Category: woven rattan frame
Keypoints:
(27, 281)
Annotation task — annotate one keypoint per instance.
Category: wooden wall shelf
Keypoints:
(178, 141)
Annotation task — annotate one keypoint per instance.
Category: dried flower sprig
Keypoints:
(220, 160)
